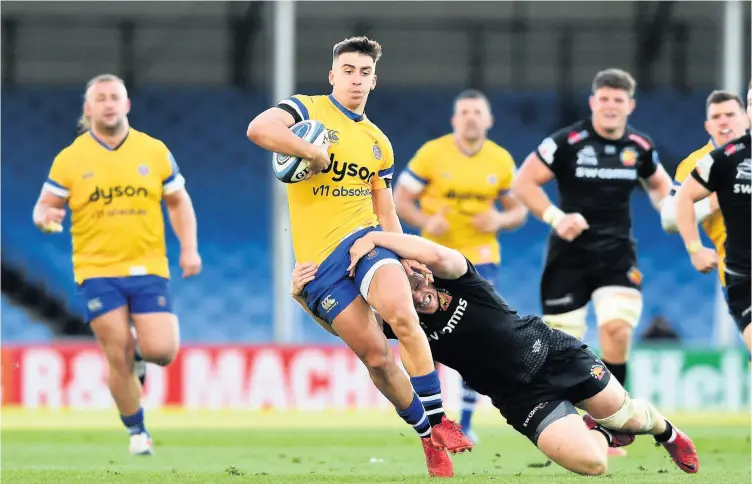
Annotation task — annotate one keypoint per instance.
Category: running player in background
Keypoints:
(449, 189)
(348, 196)
(113, 179)
(535, 375)
(727, 173)
(726, 120)
(597, 164)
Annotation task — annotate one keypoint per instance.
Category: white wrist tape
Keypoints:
(553, 215)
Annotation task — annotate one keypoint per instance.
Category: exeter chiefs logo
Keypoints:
(635, 276)
(628, 157)
(444, 299)
(597, 372)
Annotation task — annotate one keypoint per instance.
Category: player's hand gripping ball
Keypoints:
(292, 169)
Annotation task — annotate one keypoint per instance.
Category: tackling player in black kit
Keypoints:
(597, 164)
(535, 375)
(726, 171)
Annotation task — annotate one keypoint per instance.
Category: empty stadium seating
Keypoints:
(230, 179)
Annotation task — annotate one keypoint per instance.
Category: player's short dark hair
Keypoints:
(718, 97)
(615, 79)
(471, 94)
(360, 45)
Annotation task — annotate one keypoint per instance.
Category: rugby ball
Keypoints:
(291, 169)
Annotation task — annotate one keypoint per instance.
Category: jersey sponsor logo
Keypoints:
(109, 194)
(597, 372)
(644, 144)
(587, 156)
(609, 149)
(606, 173)
(547, 150)
(444, 299)
(533, 412)
(326, 190)
(744, 170)
(743, 188)
(628, 157)
(462, 196)
(340, 169)
(459, 311)
(577, 136)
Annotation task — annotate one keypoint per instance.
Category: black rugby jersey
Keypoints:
(595, 177)
(479, 335)
(727, 171)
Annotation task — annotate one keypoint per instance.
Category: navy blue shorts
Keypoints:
(333, 289)
(142, 294)
(488, 272)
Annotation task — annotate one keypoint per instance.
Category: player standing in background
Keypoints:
(726, 120)
(456, 179)
(727, 173)
(113, 179)
(597, 164)
(348, 196)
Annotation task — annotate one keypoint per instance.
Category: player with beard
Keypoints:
(113, 179)
(534, 375)
(726, 120)
(449, 190)
(725, 172)
(597, 163)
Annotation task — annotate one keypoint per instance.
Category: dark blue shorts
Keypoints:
(333, 289)
(488, 272)
(142, 294)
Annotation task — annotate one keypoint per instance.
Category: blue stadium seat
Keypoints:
(230, 181)
(19, 327)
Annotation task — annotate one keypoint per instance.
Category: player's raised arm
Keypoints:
(527, 187)
(444, 262)
(271, 131)
(695, 188)
(655, 180)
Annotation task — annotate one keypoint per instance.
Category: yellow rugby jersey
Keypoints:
(337, 202)
(714, 225)
(464, 186)
(114, 196)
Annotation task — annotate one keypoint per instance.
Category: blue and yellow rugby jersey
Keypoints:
(463, 186)
(714, 225)
(114, 196)
(337, 202)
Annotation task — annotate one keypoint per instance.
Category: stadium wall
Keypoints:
(316, 378)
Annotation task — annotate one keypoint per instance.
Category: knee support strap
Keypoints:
(639, 410)
(617, 303)
(572, 323)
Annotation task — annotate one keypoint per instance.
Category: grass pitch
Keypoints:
(296, 448)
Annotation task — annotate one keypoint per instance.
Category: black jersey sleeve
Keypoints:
(707, 170)
(649, 163)
(553, 151)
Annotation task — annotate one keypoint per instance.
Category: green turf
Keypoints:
(337, 456)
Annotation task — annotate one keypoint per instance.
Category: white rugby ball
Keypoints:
(291, 169)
